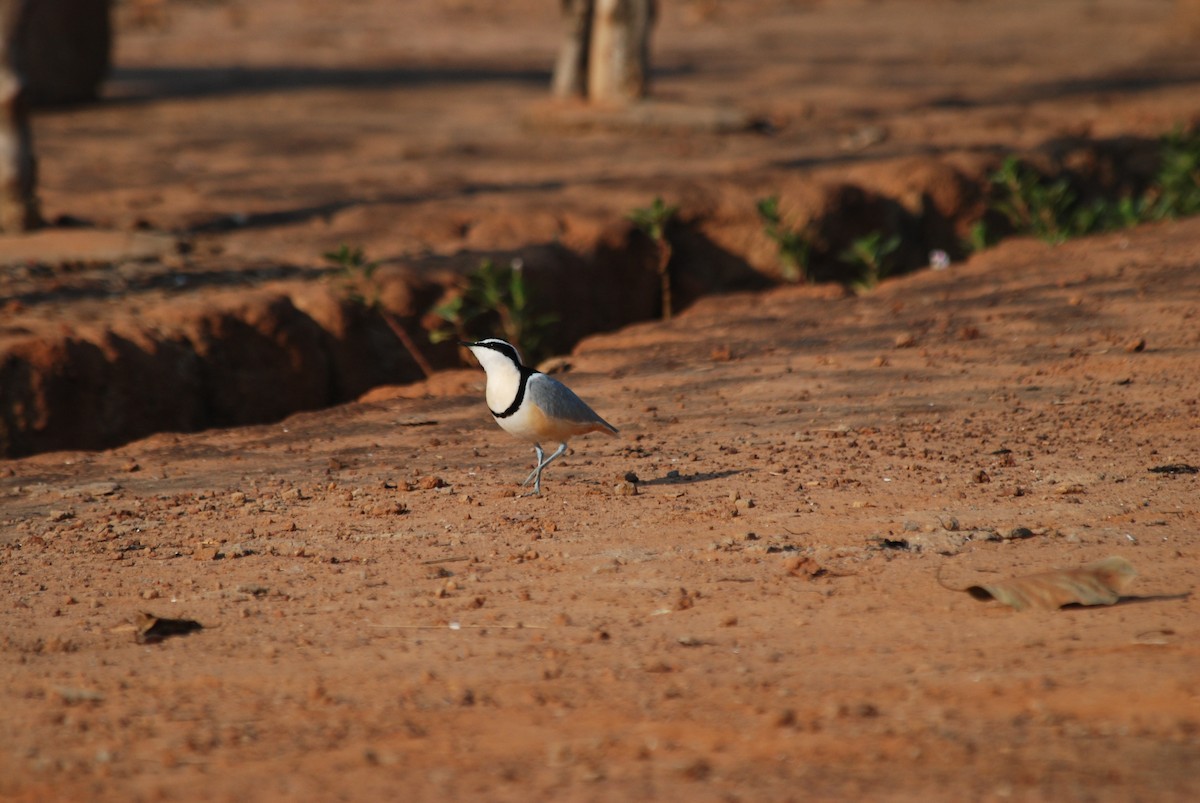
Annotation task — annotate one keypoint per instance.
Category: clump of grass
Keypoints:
(653, 221)
(1033, 204)
(494, 294)
(795, 246)
(872, 256)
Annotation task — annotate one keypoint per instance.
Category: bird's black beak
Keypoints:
(465, 343)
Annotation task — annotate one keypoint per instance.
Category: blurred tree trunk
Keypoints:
(18, 199)
(605, 55)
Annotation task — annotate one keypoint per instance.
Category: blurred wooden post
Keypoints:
(18, 170)
(605, 55)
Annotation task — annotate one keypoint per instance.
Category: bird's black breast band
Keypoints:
(526, 374)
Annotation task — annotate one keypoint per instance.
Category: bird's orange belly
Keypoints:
(532, 425)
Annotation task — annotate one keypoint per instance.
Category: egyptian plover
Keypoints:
(532, 406)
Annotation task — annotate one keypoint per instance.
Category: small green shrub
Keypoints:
(355, 276)
(653, 221)
(871, 255)
(795, 247)
(498, 293)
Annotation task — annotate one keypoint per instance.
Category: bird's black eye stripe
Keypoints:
(504, 348)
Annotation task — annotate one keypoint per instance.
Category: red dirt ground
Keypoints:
(772, 615)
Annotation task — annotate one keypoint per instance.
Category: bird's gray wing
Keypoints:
(559, 401)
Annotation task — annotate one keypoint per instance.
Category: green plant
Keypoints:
(1175, 191)
(653, 221)
(1105, 214)
(1032, 204)
(498, 292)
(1127, 212)
(355, 275)
(979, 237)
(794, 246)
(871, 254)
(1051, 209)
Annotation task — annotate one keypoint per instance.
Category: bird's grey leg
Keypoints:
(537, 472)
(537, 448)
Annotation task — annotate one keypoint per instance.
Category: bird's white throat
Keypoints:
(503, 378)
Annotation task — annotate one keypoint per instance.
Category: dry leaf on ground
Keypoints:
(1098, 583)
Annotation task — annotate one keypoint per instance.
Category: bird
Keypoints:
(531, 405)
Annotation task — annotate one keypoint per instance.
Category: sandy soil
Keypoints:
(774, 613)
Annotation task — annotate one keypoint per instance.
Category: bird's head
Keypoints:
(494, 353)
